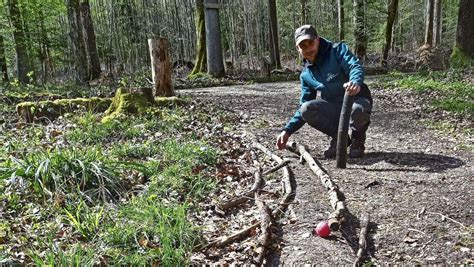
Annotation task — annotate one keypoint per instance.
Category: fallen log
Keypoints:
(266, 222)
(336, 197)
(362, 240)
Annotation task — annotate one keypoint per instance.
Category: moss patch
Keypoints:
(459, 59)
(135, 103)
(31, 111)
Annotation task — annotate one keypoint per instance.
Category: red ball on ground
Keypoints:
(322, 229)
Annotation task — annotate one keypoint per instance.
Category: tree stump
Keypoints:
(160, 67)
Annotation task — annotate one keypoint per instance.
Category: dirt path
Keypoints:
(409, 180)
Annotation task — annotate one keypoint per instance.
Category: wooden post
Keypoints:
(215, 62)
(341, 148)
(160, 66)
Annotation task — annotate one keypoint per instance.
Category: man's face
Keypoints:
(308, 49)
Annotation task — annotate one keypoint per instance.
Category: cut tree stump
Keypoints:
(336, 197)
(160, 67)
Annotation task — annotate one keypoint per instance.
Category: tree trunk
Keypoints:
(215, 62)
(274, 47)
(3, 61)
(340, 18)
(360, 46)
(200, 64)
(437, 22)
(303, 12)
(392, 12)
(90, 41)
(21, 48)
(429, 23)
(160, 67)
(77, 40)
(463, 52)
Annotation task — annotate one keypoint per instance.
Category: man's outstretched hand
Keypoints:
(282, 139)
(352, 88)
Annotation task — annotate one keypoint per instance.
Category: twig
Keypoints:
(277, 167)
(259, 182)
(362, 239)
(223, 241)
(446, 217)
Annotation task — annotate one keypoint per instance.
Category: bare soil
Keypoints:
(415, 183)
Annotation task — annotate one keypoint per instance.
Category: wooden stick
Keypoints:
(258, 183)
(266, 221)
(336, 197)
(277, 167)
(341, 147)
(362, 240)
(223, 241)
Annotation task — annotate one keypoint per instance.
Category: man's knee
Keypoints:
(308, 110)
(360, 116)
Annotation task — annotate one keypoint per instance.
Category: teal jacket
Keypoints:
(335, 65)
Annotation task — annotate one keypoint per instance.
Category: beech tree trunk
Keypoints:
(392, 12)
(77, 40)
(215, 62)
(303, 12)
(340, 19)
(160, 67)
(274, 47)
(3, 61)
(464, 48)
(200, 64)
(429, 23)
(360, 46)
(94, 61)
(21, 47)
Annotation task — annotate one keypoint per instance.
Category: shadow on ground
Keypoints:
(417, 162)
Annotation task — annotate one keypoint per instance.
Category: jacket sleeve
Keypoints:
(350, 64)
(307, 94)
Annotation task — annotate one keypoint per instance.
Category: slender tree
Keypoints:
(200, 64)
(215, 62)
(21, 48)
(3, 60)
(274, 47)
(303, 12)
(429, 22)
(437, 22)
(392, 12)
(340, 19)
(360, 45)
(94, 61)
(463, 52)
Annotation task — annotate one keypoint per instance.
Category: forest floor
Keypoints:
(416, 182)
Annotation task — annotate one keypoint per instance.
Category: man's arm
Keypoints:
(350, 64)
(307, 94)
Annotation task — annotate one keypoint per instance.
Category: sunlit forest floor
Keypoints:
(143, 189)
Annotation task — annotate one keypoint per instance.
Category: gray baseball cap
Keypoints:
(305, 32)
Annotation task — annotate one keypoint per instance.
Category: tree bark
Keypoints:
(77, 40)
(429, 23)
(21, 47)
(274, 47)
(215, 62)
(200, 64)
(360, 46)
(340, 19)
(94, 60)
(437, 23)
(392, 12)
(463, 52)
(160, 67)
(3, 61)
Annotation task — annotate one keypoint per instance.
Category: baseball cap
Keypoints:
(305, 32)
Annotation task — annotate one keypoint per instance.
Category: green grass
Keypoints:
(452, 94)
(152, 171)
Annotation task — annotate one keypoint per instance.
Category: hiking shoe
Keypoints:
(332, 149)
(357, 149)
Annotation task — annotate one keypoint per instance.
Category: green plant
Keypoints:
(85, 220)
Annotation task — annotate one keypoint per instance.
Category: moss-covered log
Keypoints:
(31, 111)
(136, 103)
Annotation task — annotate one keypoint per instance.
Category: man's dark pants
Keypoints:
(324, 115)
